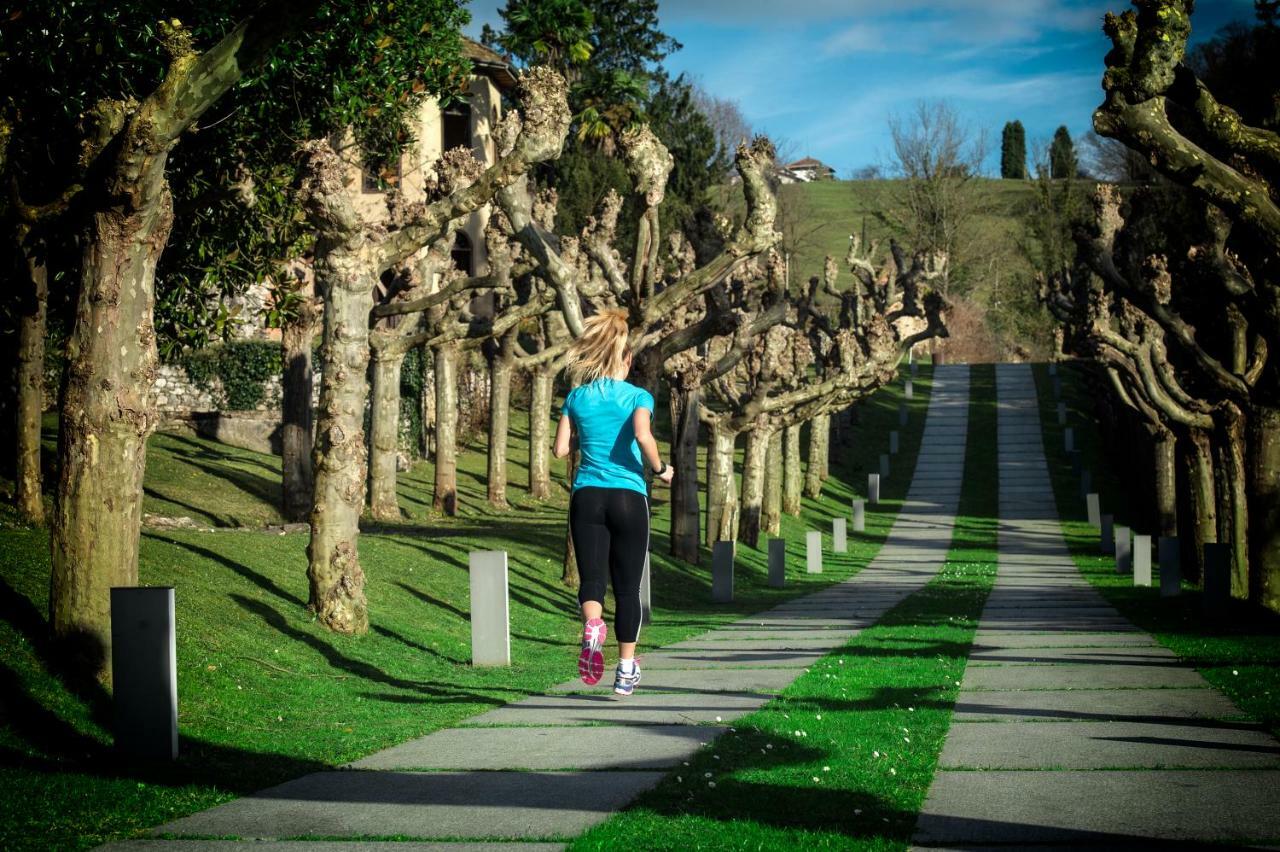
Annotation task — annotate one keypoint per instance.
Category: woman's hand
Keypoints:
(668, 475)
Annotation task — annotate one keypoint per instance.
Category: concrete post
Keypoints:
(1094, 509)
(144, 672)
(902, 414)
(1216, 591)
(839, 535)
(893, 442)
(722, 572)
(1069, 439)
(1142, 560)
(1170, 558)
(884, 466)
(873, 489)
(1124, 550)
(1062, 414)
(859, 515)
(490, 613)
(813, 552)
(909, 391)
(1106, 536)
(777, 562)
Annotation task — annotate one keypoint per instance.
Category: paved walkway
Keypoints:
(554, 765)
(1085, 731)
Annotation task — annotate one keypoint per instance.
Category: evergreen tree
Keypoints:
(1063, 162)
(1013, 151)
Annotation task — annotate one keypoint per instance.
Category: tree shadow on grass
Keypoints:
(265, 583)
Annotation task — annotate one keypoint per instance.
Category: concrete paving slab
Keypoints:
(647, 747)
(425, 805)
(156, 845)
(1096, 808)
(659, 660)
(718, 644)
(1002, 639)
(700, 680)
(1138, 654)
(1106, 745)
(654, 708)
(1078, 705)
(763, 635)
(1101, 676)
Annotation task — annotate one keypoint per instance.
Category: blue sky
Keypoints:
(825, 75)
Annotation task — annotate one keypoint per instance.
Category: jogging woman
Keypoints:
(612, 422)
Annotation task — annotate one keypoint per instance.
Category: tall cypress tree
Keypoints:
(1013, 151)
(1062, 155)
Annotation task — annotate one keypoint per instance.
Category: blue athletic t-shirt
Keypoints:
(601, 412)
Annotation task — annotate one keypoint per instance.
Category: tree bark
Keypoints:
(772, 517)
(1164, 457)
(384, 435)
(106, 419)
(819, 434)
(1203, 526)
(445, 498)
(501, 366)
(823, 422)
(1233, 523)
(686, 514)
(30, 377)
(721, 491)
(543, 383)
(793, 473)
(1264, 504)
(341, 455)
(296, 426)
(427, 403)
(753, 464)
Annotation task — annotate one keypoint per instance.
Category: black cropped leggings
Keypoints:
(610, 528)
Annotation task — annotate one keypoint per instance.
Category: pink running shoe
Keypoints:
(591, 660)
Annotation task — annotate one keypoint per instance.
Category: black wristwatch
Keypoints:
(660, 472)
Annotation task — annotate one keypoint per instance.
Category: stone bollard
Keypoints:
(893, 442)
(913, 369)
(1142, 560)
(1069, 439)
(1216, 591)
(144, 671)
(839, 535)
(490, 613)
(884, 466)
(909, 390)
(1062, 414)
(1170, 558)
(1093, 508)
(873, 489)
(1106, 535)
(1086, 481)
(1053, 368)
(777, 562)
(1124, 550)
(646, 595)
(859, 515)
(813, 552)
(902, 414)
(722, 572)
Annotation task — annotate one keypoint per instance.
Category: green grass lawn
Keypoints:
(843, 758)
(1240, 652)
(266, 694)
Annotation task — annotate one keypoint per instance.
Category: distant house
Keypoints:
(805, 170)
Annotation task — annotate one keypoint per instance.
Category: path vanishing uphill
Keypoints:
(1072, 728)
(551, 766)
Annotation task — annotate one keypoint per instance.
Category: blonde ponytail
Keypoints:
(601, 350)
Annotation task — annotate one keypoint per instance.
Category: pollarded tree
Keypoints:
(1155, 105)
(351, 255)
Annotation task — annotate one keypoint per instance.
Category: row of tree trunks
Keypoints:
(296, 413)
(542, 381)
(384, 434)
(105, 423)
(686, 515)
(792, 472)
(445, 496)
(501, 367)
(30, 376)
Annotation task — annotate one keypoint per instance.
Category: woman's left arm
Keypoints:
(564, 437)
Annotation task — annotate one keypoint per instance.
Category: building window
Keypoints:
(455, 127)
(462, 254)
(370, 182)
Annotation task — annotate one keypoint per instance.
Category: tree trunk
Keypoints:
(384, 435)
(296, 429)
(753, 463)
(792, 470)
(1264, 504)
(543, 382)
(341, 453)
(106, 419)
(500, 369)
(30, 377)
(1233, 524)
(721, 491)
(819, 435)
(1165, 460)
(772, 523)
(445, 498)
(823, 422)
(686, 514)
(427, 403)
(1202, 528)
